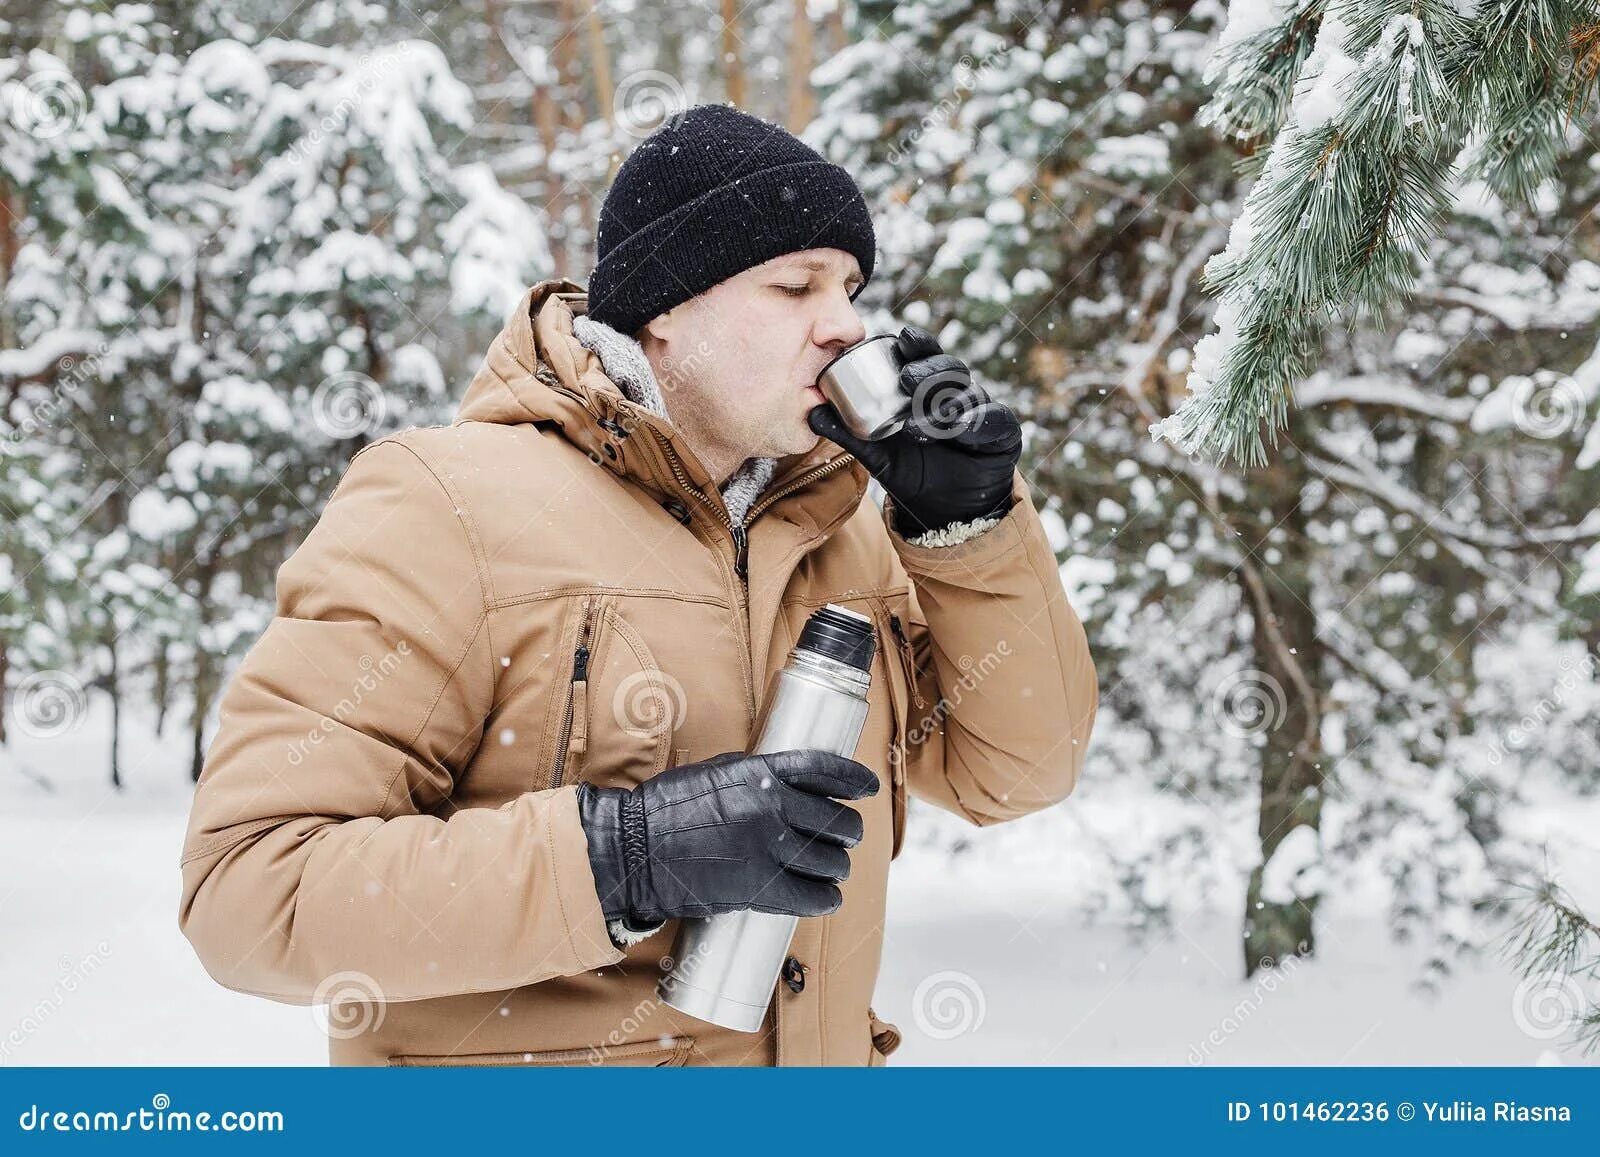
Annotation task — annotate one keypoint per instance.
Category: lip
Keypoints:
(815, 394)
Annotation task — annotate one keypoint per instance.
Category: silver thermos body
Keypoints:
(725, 968)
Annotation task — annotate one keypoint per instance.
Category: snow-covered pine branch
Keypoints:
(1255, 66)
(1360, 175)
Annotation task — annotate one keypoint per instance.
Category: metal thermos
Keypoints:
(863, 383)
(725, 968)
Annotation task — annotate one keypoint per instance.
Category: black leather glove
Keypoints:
(952, 460)
(731, 832)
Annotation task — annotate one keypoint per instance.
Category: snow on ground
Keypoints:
(980, 966)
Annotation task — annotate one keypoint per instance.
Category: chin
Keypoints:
(790, 446)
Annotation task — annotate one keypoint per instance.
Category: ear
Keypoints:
(661, 327)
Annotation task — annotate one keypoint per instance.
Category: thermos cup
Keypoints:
(863, 383)
(725, 968)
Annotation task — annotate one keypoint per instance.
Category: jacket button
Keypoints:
(794, 975)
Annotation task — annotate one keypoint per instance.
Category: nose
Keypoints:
(840, 326)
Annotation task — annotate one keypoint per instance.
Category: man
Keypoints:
(487, 754)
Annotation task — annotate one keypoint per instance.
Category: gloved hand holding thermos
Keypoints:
(728, 833)
(742, 845)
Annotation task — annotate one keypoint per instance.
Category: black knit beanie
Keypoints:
(714, 192)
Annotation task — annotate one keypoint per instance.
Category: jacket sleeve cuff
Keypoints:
(625, 937)
(955, 533)
(576, 895)
(998, 538)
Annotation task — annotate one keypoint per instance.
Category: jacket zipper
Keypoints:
(740, 532)
(910, 660)
(575, 722)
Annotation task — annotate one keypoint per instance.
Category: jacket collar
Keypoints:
(536, 370)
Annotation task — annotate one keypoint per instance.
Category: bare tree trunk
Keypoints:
(732, 64)
(801, 104)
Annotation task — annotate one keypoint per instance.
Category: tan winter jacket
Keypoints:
(387, 819)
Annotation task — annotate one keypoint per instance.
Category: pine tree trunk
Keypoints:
(10, 244)
(732, 65)
(163, 688)
(599, 65)
(202, 705)
(203, 673)
(568, 100)
(1288, 657)
(5, 669)
(114, 689)
(801, 105)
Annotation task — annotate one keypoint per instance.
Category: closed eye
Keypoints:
(795, 290)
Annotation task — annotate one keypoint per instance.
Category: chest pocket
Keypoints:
(613, 715)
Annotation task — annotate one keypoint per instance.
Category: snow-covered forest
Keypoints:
(1298, 300)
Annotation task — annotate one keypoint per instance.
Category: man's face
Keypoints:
(738, 363)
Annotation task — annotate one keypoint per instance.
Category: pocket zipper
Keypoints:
(575, 721)
(899, 746)
(910, 660)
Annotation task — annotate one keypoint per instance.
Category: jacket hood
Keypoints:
(536, 370)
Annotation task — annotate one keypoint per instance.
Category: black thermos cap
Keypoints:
(840, 634)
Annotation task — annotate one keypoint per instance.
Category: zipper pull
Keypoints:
(905, 650)
(578, 740)
(741, 554)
